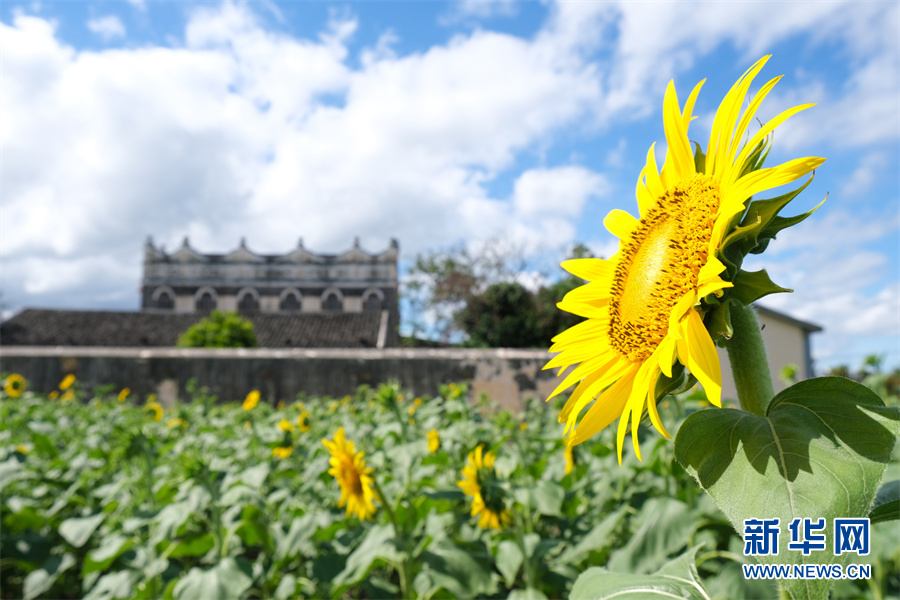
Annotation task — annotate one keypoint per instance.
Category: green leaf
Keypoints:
(77, 531)
(298, 539)
(661, 529)
(509, 559)
(9, 472)
(549, 496)
(113, 585)
(718, 322)
(39, 581)
(676, 579)
(458, 571)
(887, 503)
(527, 594)
(287, 588)
(750, 286)
(228, 580)
(99, 559)
(377, 545)
(819, 452)
(598, 538)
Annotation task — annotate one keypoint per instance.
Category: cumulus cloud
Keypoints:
(246, 132)
(842, 277)
(108, 27)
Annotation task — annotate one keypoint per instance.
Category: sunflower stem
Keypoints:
(749, 364)
(403, 567)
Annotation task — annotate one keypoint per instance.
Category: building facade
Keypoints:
(299, 282)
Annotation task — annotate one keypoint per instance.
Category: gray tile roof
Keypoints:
(39, 327)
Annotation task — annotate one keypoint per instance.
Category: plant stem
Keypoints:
(404, 572)
(749, 364)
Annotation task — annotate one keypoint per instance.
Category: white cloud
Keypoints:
(830, 263)
(108, 27)
(862, 178)
(247, 132)
(560, 191)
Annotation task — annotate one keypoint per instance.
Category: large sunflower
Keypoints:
(349, 468)
(480, 482)
(14, 385)
(644, 305)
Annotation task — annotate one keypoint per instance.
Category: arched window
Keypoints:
(290, 302)
(372, 301)
(332, 302)
(164, 301)
(248, 304)
(206, 302)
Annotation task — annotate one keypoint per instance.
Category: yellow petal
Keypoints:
(589, 269)
(703, 360)
(620, 223)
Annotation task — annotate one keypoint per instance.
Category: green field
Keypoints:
(103, 499)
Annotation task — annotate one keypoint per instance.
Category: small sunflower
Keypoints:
(646, 304)
(349, 469)
(302, 425)
(285, 425)
(157, 410)
(480, 482)
(124, 394)
(434, 440)
(251, 400)
(53, 395)
(282, 452)
(14, 385)
(67, 382)
(176, 422)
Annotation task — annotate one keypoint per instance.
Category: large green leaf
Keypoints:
(509, 559)
(676, 579)
(377, 545)
(458, 571)
(887, 503)
(39, 581)
(77, 531)
(601, 536)
(661, 529)
(228, 580)
(820, 452)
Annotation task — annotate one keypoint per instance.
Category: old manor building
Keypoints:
(300, 299)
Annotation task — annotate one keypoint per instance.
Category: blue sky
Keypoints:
(436, 123)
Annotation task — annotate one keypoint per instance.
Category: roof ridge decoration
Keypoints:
(243, 254)
(186, 254)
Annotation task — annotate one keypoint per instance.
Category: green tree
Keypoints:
(219, 330)
(504, 316)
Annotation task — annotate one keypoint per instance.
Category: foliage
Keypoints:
(101, 501)
(871, 375)
(478, 295)
(219, 330)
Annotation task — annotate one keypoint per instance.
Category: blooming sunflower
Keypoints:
(14, 385)
(251, 400)
(285, 425)
(434, 440)
(645, 305)
(157, 410)
(282, 452)
(67, 382)
(123, 395)
(349, 469)
(480, 482)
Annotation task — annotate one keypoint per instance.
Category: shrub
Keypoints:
(219, 330)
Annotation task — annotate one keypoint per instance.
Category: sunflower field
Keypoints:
(109, 496)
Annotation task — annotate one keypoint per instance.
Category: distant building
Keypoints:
(295, 300)
(299, 282)
(787, 342)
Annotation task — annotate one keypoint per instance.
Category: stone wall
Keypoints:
(505, 375)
